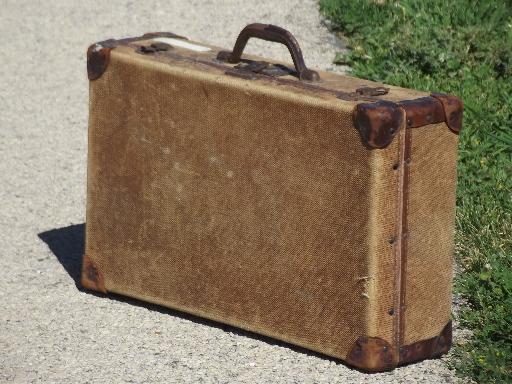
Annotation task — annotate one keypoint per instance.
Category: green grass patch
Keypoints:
(462, 47)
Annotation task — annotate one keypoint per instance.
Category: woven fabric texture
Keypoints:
(206, 197)
(431, 224)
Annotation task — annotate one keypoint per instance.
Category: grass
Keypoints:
(462, 47)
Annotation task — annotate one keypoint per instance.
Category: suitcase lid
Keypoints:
(378, 108)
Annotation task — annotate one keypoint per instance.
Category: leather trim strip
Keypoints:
(405, 167)
(429, 348)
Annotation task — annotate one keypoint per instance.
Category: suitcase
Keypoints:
(311, 207)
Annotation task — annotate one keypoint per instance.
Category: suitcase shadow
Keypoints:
(68, 244)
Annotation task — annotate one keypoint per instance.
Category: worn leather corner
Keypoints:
(427, 349)
(378, 123)
(444, 340)
(91, 277)
(372, 354)
(453, 110)
(98, 57)
(422, 111)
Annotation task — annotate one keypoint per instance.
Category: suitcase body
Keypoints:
(311, 207)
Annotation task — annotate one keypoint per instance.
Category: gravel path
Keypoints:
(52, 332)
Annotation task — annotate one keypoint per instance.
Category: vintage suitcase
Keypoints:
(311, 207)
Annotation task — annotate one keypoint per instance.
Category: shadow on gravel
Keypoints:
(68, 244)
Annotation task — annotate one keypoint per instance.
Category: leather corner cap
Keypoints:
(378, 122)
(98, 56)
(372, 354)
(453, 110)
(91, 276)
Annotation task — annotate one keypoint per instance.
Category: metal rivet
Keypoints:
(395, 166)
(391, 240)
(385, 348)
(408, 161)
(392, 130)
(429, 118)
(409, 122)
(391, 311)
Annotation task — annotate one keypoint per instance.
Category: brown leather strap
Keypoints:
(275, 34)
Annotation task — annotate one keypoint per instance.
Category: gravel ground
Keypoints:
(50, 330)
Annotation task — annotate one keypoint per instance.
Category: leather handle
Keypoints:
(275, 34)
